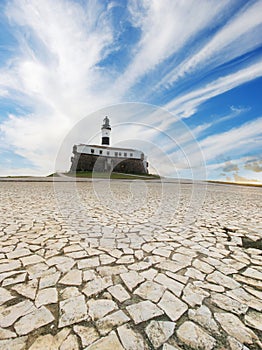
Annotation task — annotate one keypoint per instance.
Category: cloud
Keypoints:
(229, 166)
(255, 166)
(242, 179)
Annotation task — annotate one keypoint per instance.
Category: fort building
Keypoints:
(108, 159)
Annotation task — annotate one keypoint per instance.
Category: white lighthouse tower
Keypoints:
(106, 129)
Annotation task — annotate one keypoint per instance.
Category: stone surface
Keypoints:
(173, 306)
(99, 308)
(254, 319)
(10, 314)
(131, 279)
(226, 303)
(235, 328)
(119, 292)
(35, 319)
(13, 344)
(46, 296)
(143, 311)
(159, 332)
(150, 290)
(131, 339)
(111, 341)
(72, 310)
(106, 324)
(72, 278)
(203, 316)
(191, 334)
(87, 334)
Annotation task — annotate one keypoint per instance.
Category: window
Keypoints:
(125, 154)
(92, 150)
(131, 154)
(120, 154)
(116, 154)
(100, 152)
(108, 153)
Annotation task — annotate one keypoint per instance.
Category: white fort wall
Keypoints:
(113, 152)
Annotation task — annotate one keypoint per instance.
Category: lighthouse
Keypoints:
(106, 128)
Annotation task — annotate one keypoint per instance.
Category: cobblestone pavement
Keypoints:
(81, 272)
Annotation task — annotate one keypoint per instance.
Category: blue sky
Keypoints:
(200, 61)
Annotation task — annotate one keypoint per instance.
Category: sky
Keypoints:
(185, 77)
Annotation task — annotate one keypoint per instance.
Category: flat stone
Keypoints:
(87, 334)
(109, 342)
(89, 275)
(235, 344)
(173, 306)
(195, 274)
(159, 332)
(46, 296)
(234, 327)
(72, 310)
(31, 259)
(97, 285)
(143, 311)
(149, 274)
(18, 253)
(10, 314)
(119, 292)
(6, 334)
(174, 286)
(13, 344)
(203, 316)
(126, 259)
(88, 263)
(223, 280)
(72, 278)
(49, 280)
(10, 266)
(209, 286)
(49, 341)
(28, 289)
(106, 259)
(203, 266)
(254, 319)
(62, 263)
(131, 279)
(171, 265)
(150, 290)
(194, 336)
(170, 347)
(14, 280)
(71, 343)
(131, 339)
(253, 273)
(114, 270)
(101, 307)
(194, 295)
(69, 292)
(5, 296)
(226, 303)
(106, 324)
(34, 320)
(242, 296)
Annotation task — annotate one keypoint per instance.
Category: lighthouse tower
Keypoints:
(106, 128)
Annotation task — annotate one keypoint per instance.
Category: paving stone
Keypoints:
(131, 339)
(89, 275)
(88, 263)
(5, 296)
(111, 341)
(114, 270)
(182, 258)
(203, 266)
(100, 307)
(209, 286)
(106, 324)
(226, 303)
(149, 274)
(10, 314)
(10, 266)
(72, 278)
(194, 295)
(28, 289)
(88, 334)
(170, 347)
(72, 311)
(49, 280)
(173, 306)
(174, 286)
(13, 344)
(235, 328)
(119, 292)
(71, 343)
(6, 334)
(223, 280)
(235, 344)
(254, 319)
(62, 263)
(106, 259)
(143, 311)
(203, 316)
(14, 280)
(69, 292)
(192, 335)
(159, 332)
(131, 279)
(171, 265)
(195, 274)
(150, 290)
(253, 273)
(31, 259)
(46, 296)
(242, 296)
(49, 341)
(34, 320)
(97, 285)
